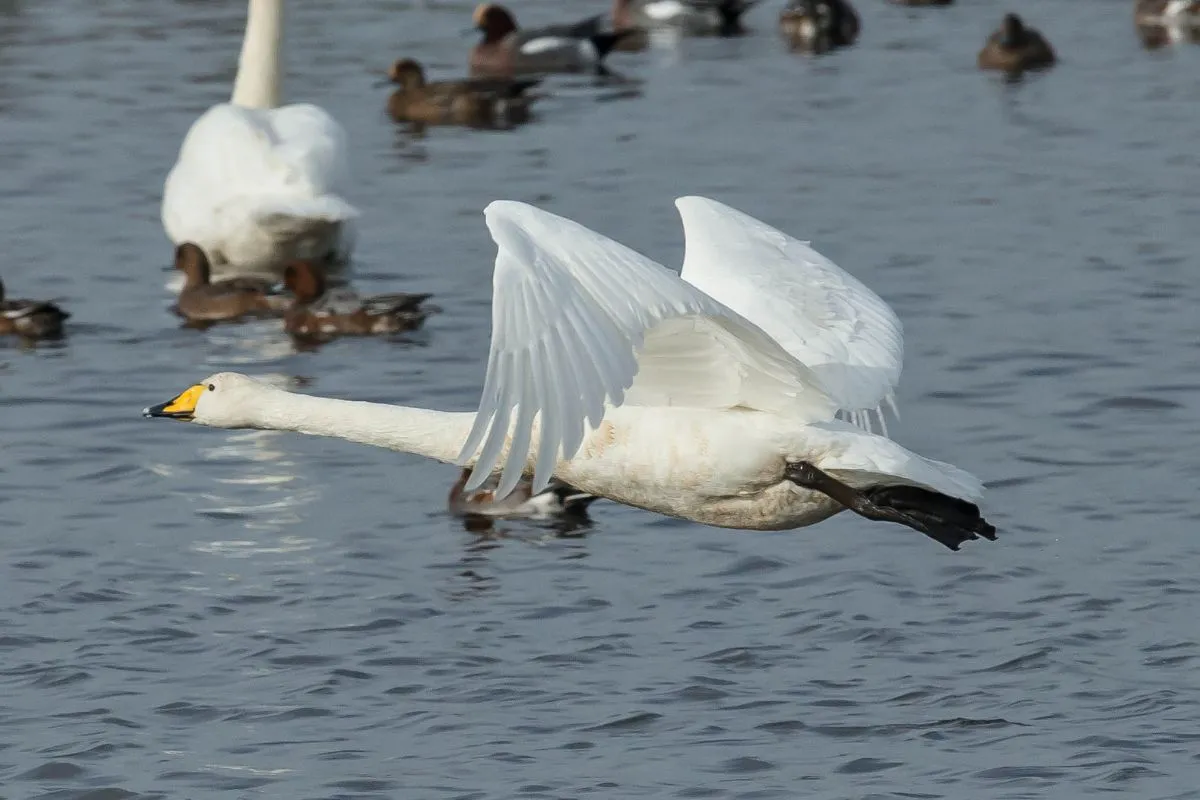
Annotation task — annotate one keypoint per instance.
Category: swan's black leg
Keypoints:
(941, 517)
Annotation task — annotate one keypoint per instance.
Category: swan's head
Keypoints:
(224, 400)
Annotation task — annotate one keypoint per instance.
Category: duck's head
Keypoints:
(191, 261)
(407, 72)
(494, 20)
(305, 280)
(1012, 31)
(224, 400)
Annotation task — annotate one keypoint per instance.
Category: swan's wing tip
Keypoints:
(692, 203)
(504, 217)
(709, 221)
(507, 209)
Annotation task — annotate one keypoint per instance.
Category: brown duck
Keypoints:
(32, 319)
(204, 300)
(1014, 48)
(475, 102)
(322, 312)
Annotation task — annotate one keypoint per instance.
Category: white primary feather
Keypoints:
(816, 311)
(571, 309)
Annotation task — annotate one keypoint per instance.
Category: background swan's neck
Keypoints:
(260, 72)
(434, 434)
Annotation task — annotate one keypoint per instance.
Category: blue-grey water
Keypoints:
(191, 613)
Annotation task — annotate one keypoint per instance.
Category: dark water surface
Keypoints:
(189, 613)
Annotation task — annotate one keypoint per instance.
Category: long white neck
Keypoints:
(434, 434)
(259, 82)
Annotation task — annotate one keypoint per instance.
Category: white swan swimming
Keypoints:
(709, 396)
(256, 183)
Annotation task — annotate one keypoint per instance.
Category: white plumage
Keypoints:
(258, 184)
(711, 397)
(757, 320)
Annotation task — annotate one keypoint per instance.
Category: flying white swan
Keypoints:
(709, 396)
(256, 183)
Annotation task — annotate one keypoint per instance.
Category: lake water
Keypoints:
(190, 613)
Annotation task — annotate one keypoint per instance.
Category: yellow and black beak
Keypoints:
(182, 407)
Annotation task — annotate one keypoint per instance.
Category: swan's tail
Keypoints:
(291, 217)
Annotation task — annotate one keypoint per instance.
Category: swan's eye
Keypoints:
(212, 388)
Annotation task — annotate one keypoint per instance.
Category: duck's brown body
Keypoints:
(320, 312)
(204, 300)
(476, 102)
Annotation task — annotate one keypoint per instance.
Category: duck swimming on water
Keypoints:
(1016, 47)
(204, 300)
(321, 311)
(557, 500)
(507, 50)
(819, 25)
(475, 102)
(712, 395)
(31, 319)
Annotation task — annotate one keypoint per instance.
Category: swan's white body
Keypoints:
(256, 183)
(685, 395)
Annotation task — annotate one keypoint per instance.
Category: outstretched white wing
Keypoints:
(818, 312)
(576, 316)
